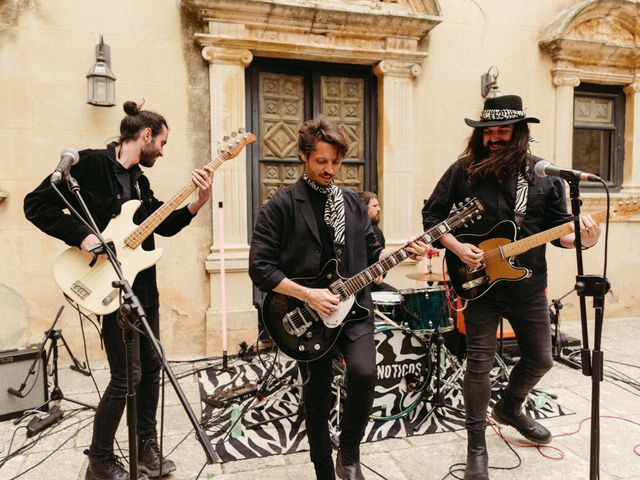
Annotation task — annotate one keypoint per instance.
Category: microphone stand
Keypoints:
(595, 286)
(134, 317)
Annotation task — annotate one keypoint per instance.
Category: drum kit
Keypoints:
(410, 352)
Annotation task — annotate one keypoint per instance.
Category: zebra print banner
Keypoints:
(269, 421)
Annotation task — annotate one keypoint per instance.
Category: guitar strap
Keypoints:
(522, 192)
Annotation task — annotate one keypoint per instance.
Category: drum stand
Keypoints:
(441, 389)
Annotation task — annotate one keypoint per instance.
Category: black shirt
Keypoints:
(546, 208)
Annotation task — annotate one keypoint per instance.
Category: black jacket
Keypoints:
(95, 173)
(546, 208)
(286, 243)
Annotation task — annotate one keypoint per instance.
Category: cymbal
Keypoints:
(426, 276)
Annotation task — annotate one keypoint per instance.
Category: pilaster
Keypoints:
(227, 94)
(631, 175)
(395, 95)
(565, 83)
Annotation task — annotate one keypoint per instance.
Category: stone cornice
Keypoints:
(596, 35)
(349, 32)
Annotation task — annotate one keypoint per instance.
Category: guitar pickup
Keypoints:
(476, 282)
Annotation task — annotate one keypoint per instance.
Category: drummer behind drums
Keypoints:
(370, 201)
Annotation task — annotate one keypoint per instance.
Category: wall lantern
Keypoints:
(101, 82)
(489, 83)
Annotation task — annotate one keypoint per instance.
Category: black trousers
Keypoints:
(529, 317)
(146, 366)
(360, 358)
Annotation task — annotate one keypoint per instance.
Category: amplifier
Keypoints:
(14, 367)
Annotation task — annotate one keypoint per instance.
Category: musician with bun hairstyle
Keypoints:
(108, 178)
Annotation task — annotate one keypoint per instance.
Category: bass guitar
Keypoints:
(87, 279)
(303, 334)
(500, 248)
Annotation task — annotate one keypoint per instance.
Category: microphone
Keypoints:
(17, 393)
(68, 158)
(545, 169)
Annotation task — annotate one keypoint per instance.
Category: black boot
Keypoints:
(149, 459)
(324, 469)
(110, 468)
(477, 457)
(348, 472)
(509, 411)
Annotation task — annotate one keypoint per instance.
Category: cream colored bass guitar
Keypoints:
(88, 280)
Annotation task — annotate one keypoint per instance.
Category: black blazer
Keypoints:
(286, 243)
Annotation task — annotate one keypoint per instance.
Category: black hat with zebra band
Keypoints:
(502, 110)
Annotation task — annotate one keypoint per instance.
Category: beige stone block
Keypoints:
(17, 104)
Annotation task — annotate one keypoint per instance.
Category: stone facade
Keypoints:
(187, 59)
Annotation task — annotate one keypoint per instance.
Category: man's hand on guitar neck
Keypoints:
(467, 252)
(203, 178)
(589, 233)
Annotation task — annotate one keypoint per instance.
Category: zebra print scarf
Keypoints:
(334, 215)
(522, 192)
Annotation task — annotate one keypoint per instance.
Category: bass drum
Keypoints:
(404, 370)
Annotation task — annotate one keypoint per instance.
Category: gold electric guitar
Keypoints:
(500, 250)
(88, 280)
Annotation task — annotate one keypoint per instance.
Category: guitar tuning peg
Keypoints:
(234, 134)
(225, 138)
(241, 130)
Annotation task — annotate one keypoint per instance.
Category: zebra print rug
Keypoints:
(266, 418)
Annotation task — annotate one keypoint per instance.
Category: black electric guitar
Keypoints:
(303, 334)
(500, 249)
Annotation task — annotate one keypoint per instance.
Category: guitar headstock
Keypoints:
(627, 206)
(465, 212)
(234, 143)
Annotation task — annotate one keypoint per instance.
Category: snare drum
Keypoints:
(425, 309)
(387, 303)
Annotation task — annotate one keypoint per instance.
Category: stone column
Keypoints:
(227, 93)
(395, 147)
(631, 171)
(565, 83)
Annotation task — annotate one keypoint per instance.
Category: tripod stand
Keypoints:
(53, 336)
(437, 398)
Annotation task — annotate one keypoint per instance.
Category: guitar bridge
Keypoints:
(81, 289)
(295, 322)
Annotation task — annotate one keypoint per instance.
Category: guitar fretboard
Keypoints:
(356, 283)
(147, 227)
(526, 244)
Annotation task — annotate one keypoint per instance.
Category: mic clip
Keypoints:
(98, 249)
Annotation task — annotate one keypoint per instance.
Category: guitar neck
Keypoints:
(364, 278)
(147, 227)
(526, 244)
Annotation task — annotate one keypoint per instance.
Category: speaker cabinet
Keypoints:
(14, 367)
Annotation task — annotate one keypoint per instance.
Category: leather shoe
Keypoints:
(508, 411)
(348, 472)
